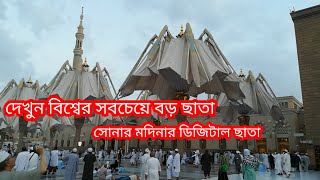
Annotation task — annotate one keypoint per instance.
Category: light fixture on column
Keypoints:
(79, 143)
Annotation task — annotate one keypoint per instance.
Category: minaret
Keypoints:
(77, 59)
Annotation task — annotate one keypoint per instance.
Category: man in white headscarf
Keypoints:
(7, 162)
(89, 160)
(196, 159)
(144, 160)
(286, 163)
(169, 165)
(176, 164)
(72, 161)
(133, 158)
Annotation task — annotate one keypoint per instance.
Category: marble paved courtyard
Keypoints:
(189, 172)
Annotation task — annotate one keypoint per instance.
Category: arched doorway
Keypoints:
(283, 137)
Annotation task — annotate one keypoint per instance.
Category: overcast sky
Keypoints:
(38, 36)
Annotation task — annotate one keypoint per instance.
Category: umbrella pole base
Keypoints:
(180, 118)
(244, 120)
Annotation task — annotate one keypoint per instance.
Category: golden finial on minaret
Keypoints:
(85, 64)
(29, 81)
(241, 73)
(81, 16)
(181, 31)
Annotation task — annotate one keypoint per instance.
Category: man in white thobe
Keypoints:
(265, 161)
(144, 160)
(169, 165)
(277, 163)
(216, 158)
(286, 163)
(53, 162)
(160, 156)
(176, 164)
(32, 160)
(21, 159)
(153, 168)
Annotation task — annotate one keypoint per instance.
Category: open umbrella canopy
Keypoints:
(86, 85)
(183, 64)
(3, 123)
(260, 99)
(23, 91)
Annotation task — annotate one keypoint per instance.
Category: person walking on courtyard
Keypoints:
(169, 165)
(21, 159)
(196, 158)
(184, 157)
(296, 162)
(249, 164)
(265, 161)
(206, 164)
(53, 161)
(238, 160)
(72, 161)
(271, 161)
(277, 164)
(286, 161)
(7, 162)
(176, 164)
(32, 160)
(223, 167)
(305, 162)
(216, 158)
(89, 160)
(144, 160)
(153, 168)
(133, 158)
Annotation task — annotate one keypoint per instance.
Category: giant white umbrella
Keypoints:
(184, 64)
(23, 91)
(174, 68)
(80, 82)
(259, 99)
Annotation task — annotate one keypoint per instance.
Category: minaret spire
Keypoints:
(77, 58)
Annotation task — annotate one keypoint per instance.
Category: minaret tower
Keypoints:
(77, 58)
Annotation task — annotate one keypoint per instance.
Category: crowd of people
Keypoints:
(36, 161)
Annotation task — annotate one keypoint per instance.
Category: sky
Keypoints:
(38, 36)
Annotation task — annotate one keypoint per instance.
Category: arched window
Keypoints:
(162, 143)
(203, 144)
(174, 144)
(282, 129)
(223, 143)
(62, 143)
(187, 144)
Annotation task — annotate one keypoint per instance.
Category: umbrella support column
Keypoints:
(106, 143)
(156, 144)
(22, 133)
(2, 138)
(244, 120)
(52, 134)
(181, 118)
(116, 144)
(78, 123)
